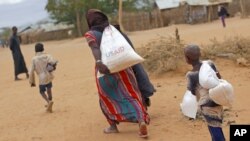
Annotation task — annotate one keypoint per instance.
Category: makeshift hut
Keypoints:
(204, 9)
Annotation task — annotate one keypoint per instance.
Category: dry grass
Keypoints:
(235, 48)
(166, 53)
(162, 55)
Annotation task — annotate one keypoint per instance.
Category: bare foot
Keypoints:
(49, 107)
(143, 132)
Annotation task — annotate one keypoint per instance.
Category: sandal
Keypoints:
(143, 132)
(110, 130)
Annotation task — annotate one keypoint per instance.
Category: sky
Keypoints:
(21, 12)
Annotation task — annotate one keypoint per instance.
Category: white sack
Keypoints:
(189, 105)
(222, 94)
(207, 76)
(117, 54)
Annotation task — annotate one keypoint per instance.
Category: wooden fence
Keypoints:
(184, 14)
(135, 21)
(32, 37)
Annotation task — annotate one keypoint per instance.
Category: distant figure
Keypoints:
(211, 111)
(43, 64)
(222, 13)
(19, 63)
(2, 43)
(6, 43)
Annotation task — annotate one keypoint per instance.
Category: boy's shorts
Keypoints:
(45, 87)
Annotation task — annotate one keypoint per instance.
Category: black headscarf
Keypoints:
(96, 20)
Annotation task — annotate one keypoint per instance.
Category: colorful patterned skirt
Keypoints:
(120, 98)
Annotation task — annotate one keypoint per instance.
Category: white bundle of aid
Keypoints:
(117, 53)
(220, 91)
(222, 94)
(207, 76)
(189, 105)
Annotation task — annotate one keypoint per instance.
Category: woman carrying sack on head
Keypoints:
(119, 95)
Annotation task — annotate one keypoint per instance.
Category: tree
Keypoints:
(67, 11)
(74, 11)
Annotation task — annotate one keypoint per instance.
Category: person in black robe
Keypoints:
(19, 63)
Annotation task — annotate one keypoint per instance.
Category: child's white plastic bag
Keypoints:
(222, 94)
(207, 76)
(117, 54)
(189, 105)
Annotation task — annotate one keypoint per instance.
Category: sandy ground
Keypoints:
(77, 116)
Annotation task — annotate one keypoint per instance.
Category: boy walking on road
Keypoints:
(43, 64)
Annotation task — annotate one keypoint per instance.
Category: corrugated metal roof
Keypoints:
(166, 4)
(207, 2)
